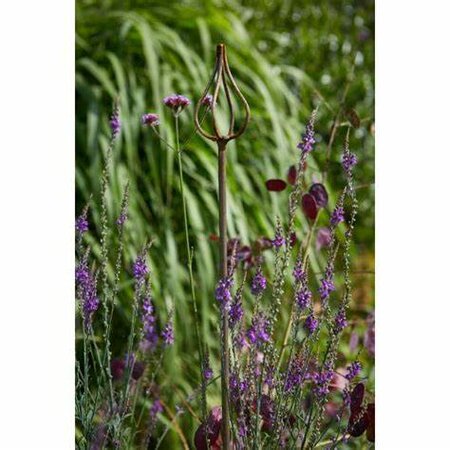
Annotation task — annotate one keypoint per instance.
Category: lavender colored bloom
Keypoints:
(279, 240)
(223, 294)
(298, 272)
(82, 224)
(140, 269)
(176, 102)
(337, 216)
(340, 321)
(115, 123)
(207, 100)
(311, 324)
(148, 325)
(323, 238)
(322, 381)
(150, 119)
(307, 143)
(156, 408)
(120, 222)
(296, 375)
(327, 286)
(353, 370)
(208, 373)
(257, 333)
(167, 333)
(258, 283)
(349, 160)
(236, 311)
(87, 291)
(303, 298)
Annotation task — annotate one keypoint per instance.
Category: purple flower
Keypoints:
(82, 224)
(258, 283)
(140, 269)
(115, 123)
(236, 311)
(298, 272)
(207, 100)
(121, 220)
(279, 240)
(150, 119)
(311, 324)
(156, 408)
(353, 370)
(87, 292)
(167, 333)
(322, 381)
(307, 143)
(349, 160)
(176, 102)
(326, 287)
(303, 298)
(257, 333)
(337, 216)
(340, 321)
(296, 375)
(148, 325)
(323, 238)
(223, 294)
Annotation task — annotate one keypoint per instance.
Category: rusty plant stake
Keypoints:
(222, 77)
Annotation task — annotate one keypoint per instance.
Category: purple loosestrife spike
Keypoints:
(337, 216)
(140, 269)
(326, 287)
(307, 143)
(87, 288)
(167, 333)
(150, 119)
(176, 102)
(115, 123)
(258, 283)
(340, 321)
(82, 224)
(258, 332)
(349, 160)
(223, 294)
(303, 298)
(311, 324)
(353, 370)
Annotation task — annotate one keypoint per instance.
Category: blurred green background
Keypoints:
(286, 56)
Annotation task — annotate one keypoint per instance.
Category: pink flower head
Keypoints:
(150, 119)
(176, 102)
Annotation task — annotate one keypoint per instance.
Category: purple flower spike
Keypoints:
(322, 382)
(353, 370)
(278, 240)
(223, 294)
(327, 286)
(150, 119)
(349, 160)
(167, 333)
(82, 224)
(120, 222)
(337, 216)
(298, 272)
(115, 123)
(236, 311)
(303, 298)
(257, 333)
(176, 102)
(148, 325)
(258, 283)
(311, 324)
(340, 321)
(307, 143)
(140, 269)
